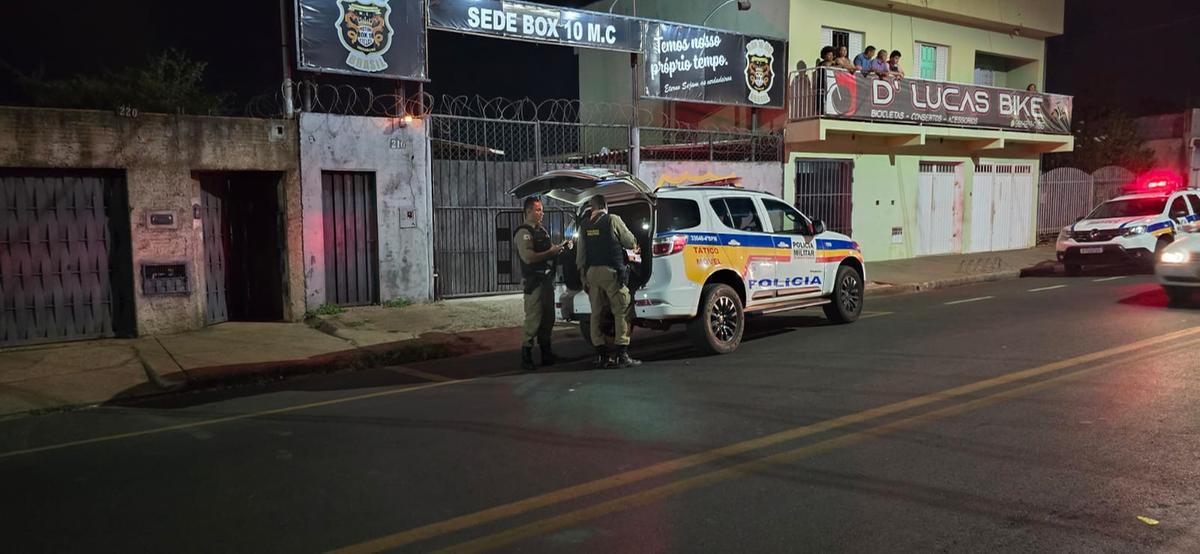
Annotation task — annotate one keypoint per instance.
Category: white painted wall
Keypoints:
(352, 143)
(764, 176)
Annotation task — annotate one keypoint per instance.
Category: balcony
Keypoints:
(835, 111)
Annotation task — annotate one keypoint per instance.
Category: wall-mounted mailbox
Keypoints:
(163, 219)
(165, 278)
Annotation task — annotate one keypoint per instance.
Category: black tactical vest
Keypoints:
(602, 247)
(541, 243)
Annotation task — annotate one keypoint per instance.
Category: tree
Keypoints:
(167, 83)
(1104, 136)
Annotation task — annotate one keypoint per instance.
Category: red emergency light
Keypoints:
(1158, 180)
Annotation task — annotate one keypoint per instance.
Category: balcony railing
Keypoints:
(835, 93)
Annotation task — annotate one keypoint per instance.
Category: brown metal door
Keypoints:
(351, 246)
(65, 267)
(212, 203)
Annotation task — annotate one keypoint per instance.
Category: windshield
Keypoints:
(1133, 207)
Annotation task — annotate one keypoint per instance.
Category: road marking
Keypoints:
(868, 315)
(976, 299)
(753, 467)
(1107, 279)
(421, 374)
(518, 507)
(298, 407)
(1047, 288)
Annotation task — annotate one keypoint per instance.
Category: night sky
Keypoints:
(1133, 55)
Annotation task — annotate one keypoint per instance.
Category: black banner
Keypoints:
(853, 96)
(696, 64)
(537, 23)
(378, 38)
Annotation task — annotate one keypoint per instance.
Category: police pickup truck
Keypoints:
(717, 253)
(1133, 228)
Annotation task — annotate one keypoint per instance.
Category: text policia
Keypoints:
(540, 26)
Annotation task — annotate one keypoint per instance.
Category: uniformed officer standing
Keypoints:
(537, 274)
(601, 259)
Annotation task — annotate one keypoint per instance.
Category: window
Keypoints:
(1178, 208)
(1194, 200)
(675, 214)
(824, 190)
(852, 40)
(737, 213)
(785, 220)
(1131, 207)
(932, 61)
(992, 70)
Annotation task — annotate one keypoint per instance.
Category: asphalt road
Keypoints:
(1040, 414)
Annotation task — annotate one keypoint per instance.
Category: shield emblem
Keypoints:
(364, 28)
(758, 73)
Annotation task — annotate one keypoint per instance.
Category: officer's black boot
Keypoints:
(623, 359)
(602, 359)
(527, 358)
(548, 357)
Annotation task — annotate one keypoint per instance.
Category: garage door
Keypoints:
(1002, 207)
(65, 265)
(939, 208)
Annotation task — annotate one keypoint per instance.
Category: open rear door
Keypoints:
(576, 186)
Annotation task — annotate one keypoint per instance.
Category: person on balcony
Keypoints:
(863, 60)
(826, 57)
(842, 60)
(894, 64)
(879, 66)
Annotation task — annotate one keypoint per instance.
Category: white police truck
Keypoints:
(1133, 228)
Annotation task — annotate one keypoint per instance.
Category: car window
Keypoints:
(1129, 207)
(676, 214)
(1194, 201)
(1178, 208)
(785, 219)
(738, 213)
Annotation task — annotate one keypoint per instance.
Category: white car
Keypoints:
(1131, 228)
(1178, 268)
(717, 253)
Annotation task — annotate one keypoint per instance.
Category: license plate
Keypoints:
(1091, 250)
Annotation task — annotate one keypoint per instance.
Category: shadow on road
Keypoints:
(1050, 268)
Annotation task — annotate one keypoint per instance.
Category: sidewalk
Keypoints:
(57, 376)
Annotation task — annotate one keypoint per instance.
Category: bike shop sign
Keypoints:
(698, 64)
(537, 23)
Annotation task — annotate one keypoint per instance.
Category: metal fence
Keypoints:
(477, 160)
(824, 190)
(1066, 194)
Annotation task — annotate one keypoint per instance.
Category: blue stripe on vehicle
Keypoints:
(836, 244)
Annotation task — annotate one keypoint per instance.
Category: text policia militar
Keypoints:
(688, 55)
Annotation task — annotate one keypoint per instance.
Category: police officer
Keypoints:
(601, 259)
(537, 274)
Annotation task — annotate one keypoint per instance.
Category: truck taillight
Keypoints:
(672, 244)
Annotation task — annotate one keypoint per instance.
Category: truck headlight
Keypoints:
(1135, 230)
(1175, 257)
(1064, 234)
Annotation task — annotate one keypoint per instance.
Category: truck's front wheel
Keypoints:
(718, 327)
(847, 301)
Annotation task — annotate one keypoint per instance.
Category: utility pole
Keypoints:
(288, 108)
(635, 135)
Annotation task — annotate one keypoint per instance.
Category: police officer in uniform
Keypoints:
(601, 259)
(537, 273)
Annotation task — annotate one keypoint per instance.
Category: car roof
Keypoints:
(685, 190)
(1142, 195)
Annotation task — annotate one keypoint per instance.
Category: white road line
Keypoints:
(969, 300)
(1047, 288)
(1107, 279)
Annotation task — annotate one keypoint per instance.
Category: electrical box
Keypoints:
(408, 216)
(161, 219)
(165, 278)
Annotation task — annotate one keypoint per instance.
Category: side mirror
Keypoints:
(818, 227)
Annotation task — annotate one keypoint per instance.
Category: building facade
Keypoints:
(1173, 138)
(905, 189)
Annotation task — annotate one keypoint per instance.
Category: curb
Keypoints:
(909, 288)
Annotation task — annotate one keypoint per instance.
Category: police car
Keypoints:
(1134, 228)
(1178, 267)
(714, 254)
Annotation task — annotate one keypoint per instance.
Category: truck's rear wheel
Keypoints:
(847, 296)
(718, 327)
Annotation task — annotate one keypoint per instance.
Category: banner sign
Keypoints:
(853, 96)
(377, 38)
(696, 64)
(537, 23)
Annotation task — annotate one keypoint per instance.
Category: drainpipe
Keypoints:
(288, 109)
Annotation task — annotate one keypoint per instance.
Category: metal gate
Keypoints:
(216, 239)
(824, 190)
(351, 240)
(65, 261)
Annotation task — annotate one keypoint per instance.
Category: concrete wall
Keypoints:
(399, 157)
(885, 196)
(764, 176)
(159, 154)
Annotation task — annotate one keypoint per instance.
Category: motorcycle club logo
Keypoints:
(759, 57)
(365, 30)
